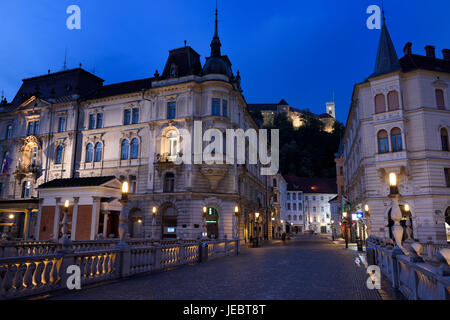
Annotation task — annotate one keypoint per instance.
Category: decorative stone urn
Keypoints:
(214, 173)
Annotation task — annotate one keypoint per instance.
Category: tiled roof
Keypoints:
(311, 185)
(120, 88)
(412, 62)
(76, 182)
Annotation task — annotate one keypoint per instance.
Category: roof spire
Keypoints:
(215, 43)
(387, 59)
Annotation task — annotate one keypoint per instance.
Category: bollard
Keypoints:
(203, 252)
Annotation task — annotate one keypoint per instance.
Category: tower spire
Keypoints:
(215, 43)
(387, 59)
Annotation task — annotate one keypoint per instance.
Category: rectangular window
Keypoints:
(225, 108)
(289, 196)
(447, 177)
(294, 196)
(99, 120)
(62, 125)
(30, 128)
(397, 143)
(135, 115)
(2, 190)
(289, 206)
(384, 145)
(126, 117)
(215, 107)
(295, 207)
(171, 110)
(91, 121)
(36, 128)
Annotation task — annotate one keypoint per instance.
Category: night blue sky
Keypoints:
(301, 51)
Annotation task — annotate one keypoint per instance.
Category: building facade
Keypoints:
(308, 206)
(67, 136)
(398, 126)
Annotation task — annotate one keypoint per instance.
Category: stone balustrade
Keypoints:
(32, 248)
(24, 276)
(415, 278)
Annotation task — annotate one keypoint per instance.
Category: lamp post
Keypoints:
(236, 222)
(396, 213)
(205, 231)
(345, 222)
(123, 226)
(65, 241)
(257, 228)
(154, 212)
(332, 230)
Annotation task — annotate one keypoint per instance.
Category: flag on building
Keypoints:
(6, 165)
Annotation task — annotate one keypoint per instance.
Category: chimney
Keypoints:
(407, 49)
(430, 50)
(446, 54)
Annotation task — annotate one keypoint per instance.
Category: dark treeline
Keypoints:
(307, 151)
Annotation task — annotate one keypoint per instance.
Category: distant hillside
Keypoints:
(307, 151)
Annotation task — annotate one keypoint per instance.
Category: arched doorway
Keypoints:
(169, 223)
(212, 223)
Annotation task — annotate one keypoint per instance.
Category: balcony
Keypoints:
(166, 161)
(23, 170)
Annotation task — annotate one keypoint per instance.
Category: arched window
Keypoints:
(393, 103)
(98, 152)
(134, 148)
(169, 182)
(125, 150)
(59, 154)
(396, 140)
(89, 153)
(440, 101)
(9, 130)
(444, 140)
(383, 142)
(380, 103)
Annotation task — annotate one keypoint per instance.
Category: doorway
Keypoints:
(212, 223)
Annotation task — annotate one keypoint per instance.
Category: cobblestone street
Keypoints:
(310, 267)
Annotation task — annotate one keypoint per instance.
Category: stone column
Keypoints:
(38, 219)
(56, 219)
(26, 223)
(95, 216)
(74, 218)
(105, 223)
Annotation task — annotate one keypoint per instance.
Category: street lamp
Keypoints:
(393, 183)
(123, 216)
(205, 231)
(11, 216)
(65, 226)
(154, 212)
(396, 213)
(257, 228)
(407, 207)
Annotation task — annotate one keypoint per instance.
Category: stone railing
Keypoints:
(25, 276)
(415, 278)
(20, 249)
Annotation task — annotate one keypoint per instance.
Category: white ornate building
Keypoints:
(399, 122)
(66, 136)
(307, 203)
